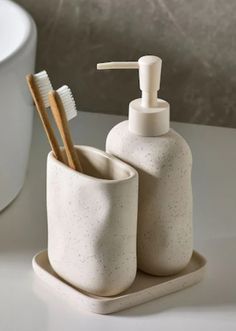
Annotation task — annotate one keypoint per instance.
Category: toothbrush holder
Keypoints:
(92, 222)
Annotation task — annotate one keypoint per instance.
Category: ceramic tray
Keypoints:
(145, 287)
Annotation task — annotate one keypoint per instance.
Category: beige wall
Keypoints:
(195, 39)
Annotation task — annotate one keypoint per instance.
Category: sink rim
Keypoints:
(30, 32)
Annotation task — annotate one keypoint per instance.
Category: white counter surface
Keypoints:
(27, 304)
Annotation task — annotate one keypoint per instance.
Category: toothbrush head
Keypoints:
(44, 86)
(68, 101)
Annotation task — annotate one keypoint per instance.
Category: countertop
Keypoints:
(26, 303)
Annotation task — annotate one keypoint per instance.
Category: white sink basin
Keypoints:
(17, 57)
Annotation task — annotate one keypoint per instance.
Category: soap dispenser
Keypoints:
(164, 162)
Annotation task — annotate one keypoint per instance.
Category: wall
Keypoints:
(195, 39)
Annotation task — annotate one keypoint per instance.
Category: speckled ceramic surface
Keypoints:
(92, 222)
(164, 166)
(145, 287)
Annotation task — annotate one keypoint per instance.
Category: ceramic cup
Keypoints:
(92, 222)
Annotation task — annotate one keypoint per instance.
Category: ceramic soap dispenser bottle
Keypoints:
(163, 160)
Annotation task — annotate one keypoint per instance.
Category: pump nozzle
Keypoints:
(149, 76)
(148, 116)
(117, 65)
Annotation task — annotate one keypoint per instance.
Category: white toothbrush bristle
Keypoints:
(44, 85)
(68, 102)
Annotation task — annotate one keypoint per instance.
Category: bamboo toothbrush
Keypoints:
(39, 86)
(63, 108)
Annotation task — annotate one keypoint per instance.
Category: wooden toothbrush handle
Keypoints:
(62, 124)
(44, 117)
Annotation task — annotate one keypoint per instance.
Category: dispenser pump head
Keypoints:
(148, 116)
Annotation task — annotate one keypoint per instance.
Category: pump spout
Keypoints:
(148, 115)
(117, 65)
(149, 76)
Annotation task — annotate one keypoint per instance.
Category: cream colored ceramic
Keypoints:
(164, 165)
(92, 222)
(145, 287)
